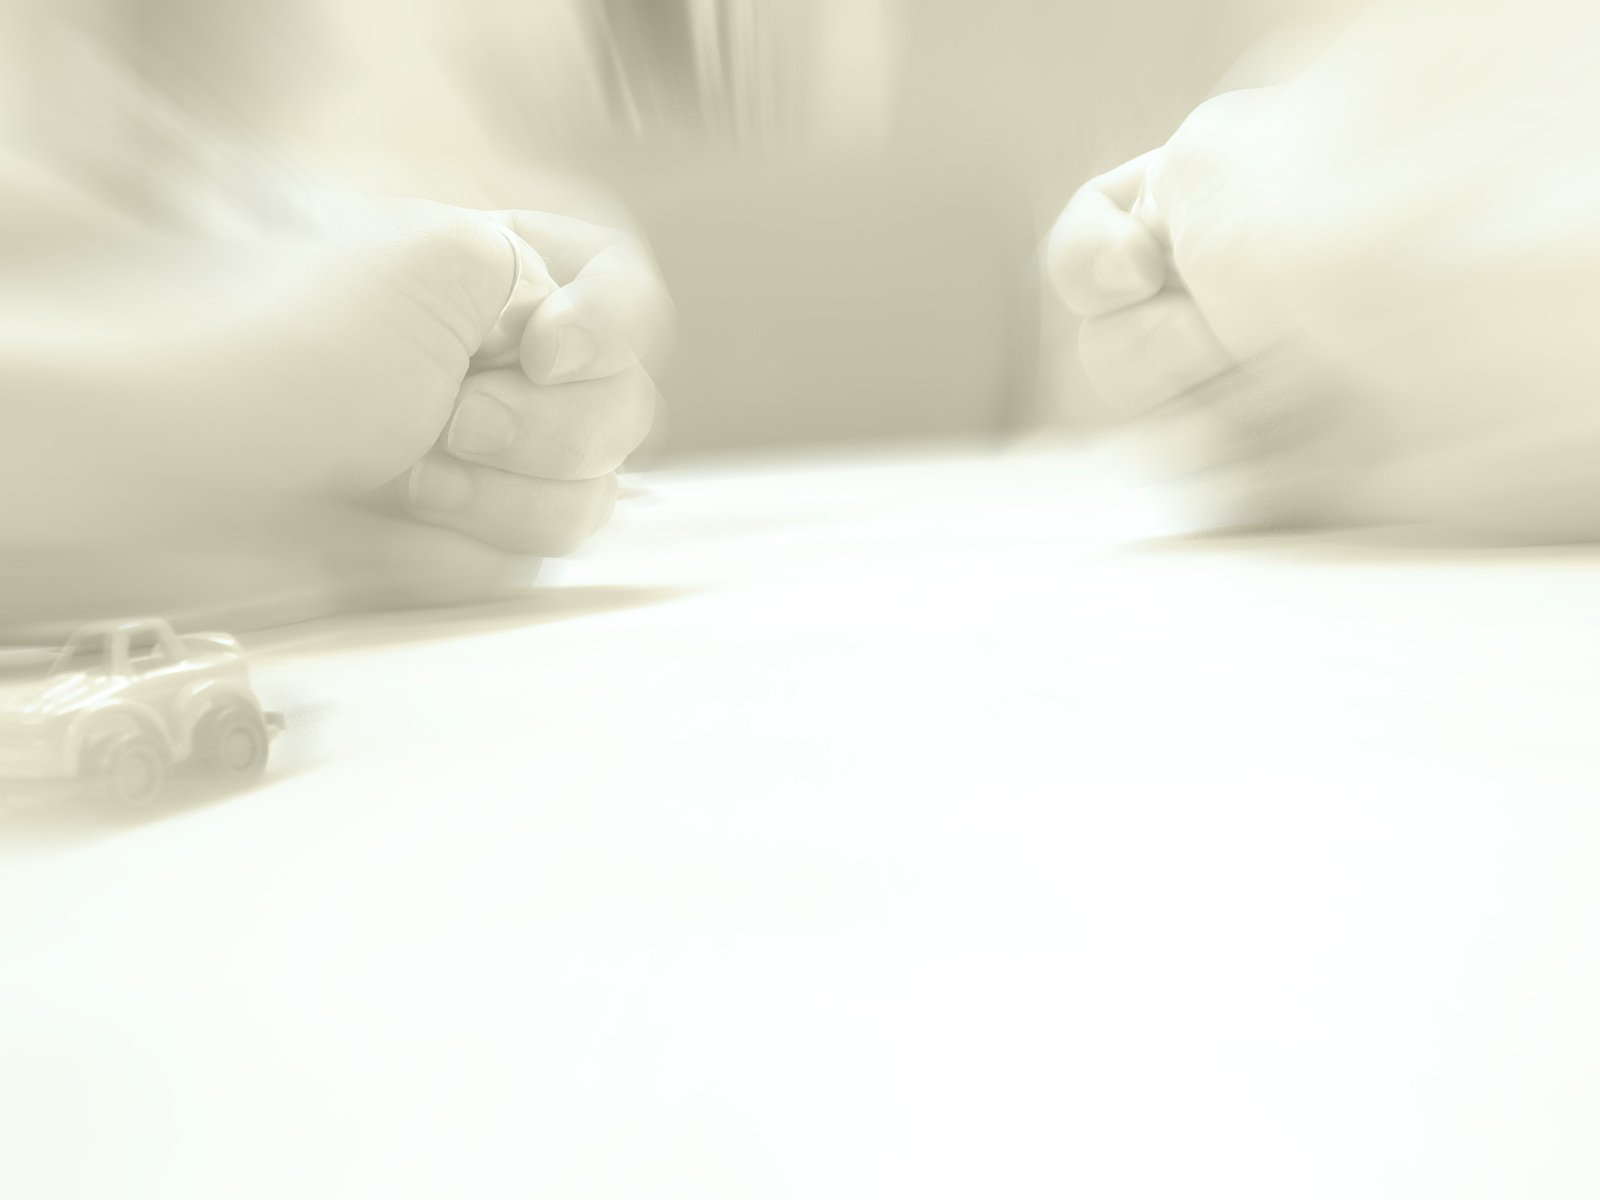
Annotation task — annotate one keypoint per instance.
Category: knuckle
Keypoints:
(1116, 353)
(596, 439)
(561, 526)
(575, 446)
(1177, 337)
(1117, 336)
(541, 531)
(1102, 349)
(1067, 255)
(1183, 348)
(1058, 245)
(452, 241)
(636, 414)
(1092, 342)
(555, 540)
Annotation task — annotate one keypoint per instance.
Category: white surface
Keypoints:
(857, 831)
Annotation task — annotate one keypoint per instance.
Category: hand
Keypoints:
(206, 446)
(1246, 432)
(1144, 340)
(528, 457)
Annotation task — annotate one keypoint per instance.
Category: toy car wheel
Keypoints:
(130, 770)
(232, 745)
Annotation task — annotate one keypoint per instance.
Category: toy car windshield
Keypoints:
(85, 652)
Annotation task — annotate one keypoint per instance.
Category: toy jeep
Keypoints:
(126, 702)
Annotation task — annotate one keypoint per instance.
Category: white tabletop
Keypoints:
(865, 829)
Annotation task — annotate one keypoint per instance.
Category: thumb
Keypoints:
(1101, 257)
(531, 285)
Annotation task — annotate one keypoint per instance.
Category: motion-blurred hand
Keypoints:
(1366, 295)
(276, 427)
(1213, 388)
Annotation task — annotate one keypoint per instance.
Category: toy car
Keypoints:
(126, 701)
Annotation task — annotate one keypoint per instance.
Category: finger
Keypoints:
(1297, 451)
(568, 431)
(1143, 356)
(513, 512)
(566, 245)
(1211, 480)
(1265, 408)
(613, 315)
(1265, 444)
(531, 285)
(1100, 257)
(459, 262)
(401, 563)
(611, 311)
(1292, 490)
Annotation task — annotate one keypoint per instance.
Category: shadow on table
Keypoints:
(363, 631)
(37, 819)
(1407, 545)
